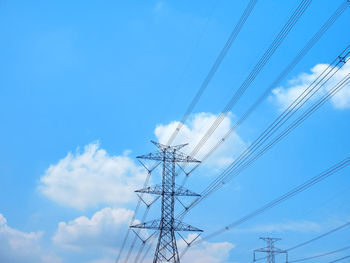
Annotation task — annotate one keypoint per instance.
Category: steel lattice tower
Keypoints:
(271, 250)
(166, 250)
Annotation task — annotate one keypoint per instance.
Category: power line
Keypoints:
(307, 113)
(249, 8)
(144, 242)
(335, 168)
(291, 127)
(339, 259)
(126, 237)
(320, 236)
(205, 83)
(342, 84)
(316, 238)
(147, 251)
(256, 70)
(320, 255)
(208, 78)
(137, 232)
(146, 180)
(136, 236)
(313, 40)
(132, 220)
(241, 162)
(300, 101)
(323, 29)
(330, 21)
(149, 171)
(196, 45)
(333, 21)
(285, 197)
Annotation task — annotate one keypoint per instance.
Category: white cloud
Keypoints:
(17, 246)
(105, 229)
(195, 129)
(86, 179)
(93, 177)
(206, 252)
(284, 96)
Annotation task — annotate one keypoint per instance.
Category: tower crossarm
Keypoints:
(178, 226)
(169, 156)
(166, 147)
(274, 250)
(270, 250)
(159, 190)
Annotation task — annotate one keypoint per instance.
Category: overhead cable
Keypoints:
(316, 37)
(298, 12)
(320, 255)
(249, 8)
(241, 162)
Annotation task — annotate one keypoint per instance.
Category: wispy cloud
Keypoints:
(159, 7)
(294, 226)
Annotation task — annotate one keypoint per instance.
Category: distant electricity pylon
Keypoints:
(166, 250)
(271, 250)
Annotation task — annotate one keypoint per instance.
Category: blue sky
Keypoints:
(86, 85)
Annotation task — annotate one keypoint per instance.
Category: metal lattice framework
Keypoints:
(166, 250)
(158, 190)
(271, 250)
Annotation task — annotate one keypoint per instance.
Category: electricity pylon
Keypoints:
(271, 250)
(166, 250)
